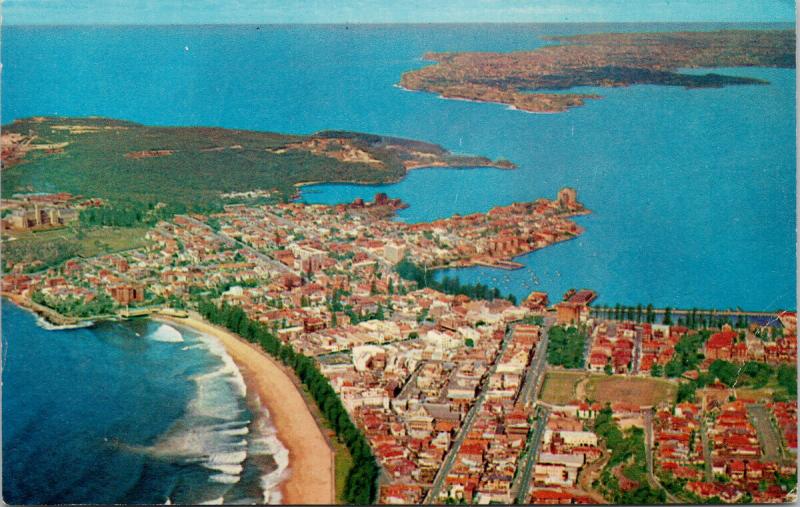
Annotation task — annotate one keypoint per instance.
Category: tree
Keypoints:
(686, 392)
(726, 372)
(667, 321)
(787, 378)
(565, 347)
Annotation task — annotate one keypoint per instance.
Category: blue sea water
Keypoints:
(692, 195)
(135, 412)
(692, 191)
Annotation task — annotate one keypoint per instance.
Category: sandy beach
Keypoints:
(311, 460)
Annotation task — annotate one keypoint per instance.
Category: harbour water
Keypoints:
(692, 191)
(692, 195)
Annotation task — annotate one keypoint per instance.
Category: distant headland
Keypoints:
(535, 81)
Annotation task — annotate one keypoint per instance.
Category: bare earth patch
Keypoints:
(559, 387)
(634, 390)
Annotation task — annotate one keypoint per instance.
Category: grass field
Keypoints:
(342, 460)
(95, 241)
(562, 387)
(559, 386)
(343, 463)
(111, 239)
(636, 390)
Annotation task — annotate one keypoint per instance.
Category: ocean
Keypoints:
(130, 412)
(692, 195)
(692, 191)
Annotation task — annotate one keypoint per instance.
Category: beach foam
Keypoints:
(229, 368)
(166, 333)
(213, 433)
(225, 478)
(265, 441)
(46, 324)
(219, 434)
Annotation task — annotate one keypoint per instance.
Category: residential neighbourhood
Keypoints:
(471, 399)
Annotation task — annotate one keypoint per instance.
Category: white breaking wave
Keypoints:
(225, 469)
(167, 333)
(213, 501)
(225, 459)
(237, 431)
(229, 368)
(216, 431)
(225, 478)
(213, 430)
(265, 442)
(45, 324)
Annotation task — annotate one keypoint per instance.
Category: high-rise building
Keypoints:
(567, 197)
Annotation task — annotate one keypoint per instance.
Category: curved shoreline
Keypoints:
(311, 460)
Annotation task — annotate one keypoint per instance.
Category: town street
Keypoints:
(433, 493)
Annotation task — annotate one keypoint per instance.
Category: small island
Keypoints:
(536, 81)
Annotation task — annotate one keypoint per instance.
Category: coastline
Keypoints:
(509, 106)
(408, 169)
(311, 460)
(52, 318)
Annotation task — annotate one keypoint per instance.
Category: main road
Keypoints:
(768, 436)
(522, 481)
(648, 442)
(449, 460)
(528, 394)
(706, 450)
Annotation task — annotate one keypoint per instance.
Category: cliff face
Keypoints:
(522, 79)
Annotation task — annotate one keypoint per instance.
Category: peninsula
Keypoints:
(535, 81)
(199, 167)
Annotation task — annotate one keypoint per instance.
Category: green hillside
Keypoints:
(191, 165)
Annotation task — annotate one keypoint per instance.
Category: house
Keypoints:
(720, 345)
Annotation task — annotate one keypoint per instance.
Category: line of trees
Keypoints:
(134, 213)
(449, 285)
(694, 319)
(361, 485)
